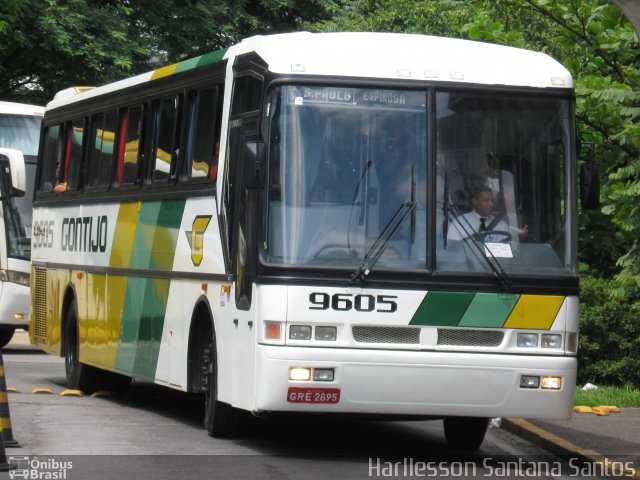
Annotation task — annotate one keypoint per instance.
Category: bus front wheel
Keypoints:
(220, 419)
(465, 433)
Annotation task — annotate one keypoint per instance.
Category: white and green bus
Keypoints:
(19, 133)
(271, 225)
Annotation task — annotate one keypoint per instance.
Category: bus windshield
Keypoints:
(20, 132)
(344, 161)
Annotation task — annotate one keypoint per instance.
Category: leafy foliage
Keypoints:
(435, 17)
(48, 45)
(609, 352)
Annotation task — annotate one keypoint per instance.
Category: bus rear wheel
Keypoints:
(465, 433)
(220, 419)
(79, 376)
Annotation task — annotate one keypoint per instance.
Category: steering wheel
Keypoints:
(500, 233)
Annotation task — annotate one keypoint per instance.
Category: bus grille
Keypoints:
(40, 304)
(403, 335)
(463, 337)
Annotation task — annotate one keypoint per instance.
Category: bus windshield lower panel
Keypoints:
(344, 162)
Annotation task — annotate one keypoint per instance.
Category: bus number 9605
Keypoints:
(348, 301)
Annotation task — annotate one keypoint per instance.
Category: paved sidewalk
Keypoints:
(612, 440)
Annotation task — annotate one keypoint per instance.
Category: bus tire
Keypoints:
(465, 433)
(6, 334)
(79, 376)
(220, 419)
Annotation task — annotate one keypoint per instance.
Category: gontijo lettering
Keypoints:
(84, 234)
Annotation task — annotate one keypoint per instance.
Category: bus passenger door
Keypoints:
(241, 218)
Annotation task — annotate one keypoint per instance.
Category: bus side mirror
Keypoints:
(253, 168)
(15, 170)
(590, 182)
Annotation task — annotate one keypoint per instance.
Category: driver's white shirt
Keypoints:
(462, 226)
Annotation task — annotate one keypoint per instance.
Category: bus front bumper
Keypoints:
(15, 304)
(413, 383)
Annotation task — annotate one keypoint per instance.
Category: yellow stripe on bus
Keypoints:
(537, 312)
(164, 71)
(125, 234)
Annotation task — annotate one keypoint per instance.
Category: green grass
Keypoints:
(626, 396)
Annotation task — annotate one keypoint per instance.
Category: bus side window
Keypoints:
(51, 157)
(165, 139)
(203, 135)
(101, 152)
(129, 146)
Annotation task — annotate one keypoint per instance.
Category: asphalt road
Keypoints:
(157, 433)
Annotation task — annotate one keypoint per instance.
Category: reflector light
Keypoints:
(300, 374)
(572, 342)
(272, 330)
(529, 381)
(551, 383)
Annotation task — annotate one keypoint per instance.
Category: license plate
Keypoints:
(313, 395)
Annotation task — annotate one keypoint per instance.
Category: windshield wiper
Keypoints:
(380, 245)
(472, 238)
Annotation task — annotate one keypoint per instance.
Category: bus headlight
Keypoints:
(300, 332)
(528, 340)
(551, 341)
(20, 278)
(327, 334)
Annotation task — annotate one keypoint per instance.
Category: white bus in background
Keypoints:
(19, 136)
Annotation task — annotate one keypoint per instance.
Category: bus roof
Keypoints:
(375, 55)
(11, 108)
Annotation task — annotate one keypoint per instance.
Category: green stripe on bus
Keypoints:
(442, 308)
(154, 306)
(130, 325)
(212, 57)
(488, 310)
(145, 303)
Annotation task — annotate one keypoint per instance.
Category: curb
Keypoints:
(556, 444)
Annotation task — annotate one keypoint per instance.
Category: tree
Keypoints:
(48, 45)
(434, 17)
